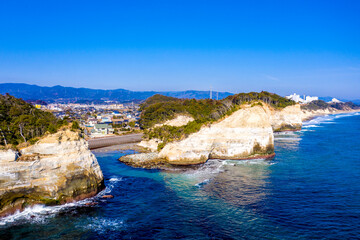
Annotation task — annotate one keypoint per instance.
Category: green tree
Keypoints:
(75, 125)
(132, 124)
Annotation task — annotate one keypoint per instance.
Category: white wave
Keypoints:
(310, 126)
(200, 184)
(307, 130)
(102, 225)
(287, 133)
(115, 179)
(288, 139)
(327, 119)
(110, 185)
(40, 213)
(250, 161)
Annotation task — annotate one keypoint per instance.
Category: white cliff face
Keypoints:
(151, 145)
(58, 169)
(7, 156)
(178, 121)
(246, 133)
(288, 118)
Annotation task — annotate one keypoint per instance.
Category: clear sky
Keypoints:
(308, 47)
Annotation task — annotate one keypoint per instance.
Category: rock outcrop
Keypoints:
(245, 134)
(179, 120)
(151, 145)
(286, 119)
(58, 169)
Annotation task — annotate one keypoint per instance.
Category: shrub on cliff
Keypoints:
(75, 125)
(316, 105)
(21, 122)
(159, 108)
(272, 99)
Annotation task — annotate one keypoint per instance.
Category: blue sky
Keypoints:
(308, 47)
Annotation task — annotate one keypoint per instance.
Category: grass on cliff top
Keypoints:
(158, 109)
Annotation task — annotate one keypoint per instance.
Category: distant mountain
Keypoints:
(70, 94)
(328, 99)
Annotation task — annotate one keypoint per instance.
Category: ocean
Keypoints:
(310, 190)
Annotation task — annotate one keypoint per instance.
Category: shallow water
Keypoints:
(309, 190)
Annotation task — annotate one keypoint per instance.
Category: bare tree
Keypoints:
(21, 131)
(2, 133)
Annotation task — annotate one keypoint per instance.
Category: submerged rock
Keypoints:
(58, 169)
(143, 160)
(107, 196)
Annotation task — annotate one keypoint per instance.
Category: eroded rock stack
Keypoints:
(57, 169)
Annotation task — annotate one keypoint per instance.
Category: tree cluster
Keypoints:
(22, 122)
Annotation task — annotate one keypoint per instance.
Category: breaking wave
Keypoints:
(40, 213)
(327, 119)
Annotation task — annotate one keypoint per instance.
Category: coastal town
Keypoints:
(98, 120)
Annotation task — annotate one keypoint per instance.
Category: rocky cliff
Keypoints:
(246, 133)
(58, 169)
(286, 119)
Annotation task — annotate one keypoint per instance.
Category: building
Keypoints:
(297, 98)
(92, 122)
(103, 129)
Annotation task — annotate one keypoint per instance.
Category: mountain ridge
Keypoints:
(58, 92)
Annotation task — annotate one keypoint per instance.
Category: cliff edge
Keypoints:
(59, 168)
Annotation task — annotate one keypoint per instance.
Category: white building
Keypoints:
(297, 98)
(310, 99)
(102, 129)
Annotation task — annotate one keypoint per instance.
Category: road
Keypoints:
(115, 140)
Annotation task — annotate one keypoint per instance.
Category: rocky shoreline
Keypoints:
(223, 139)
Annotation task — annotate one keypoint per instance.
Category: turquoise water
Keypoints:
(310, 190)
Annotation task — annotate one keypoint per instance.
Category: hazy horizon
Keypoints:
(302, 47)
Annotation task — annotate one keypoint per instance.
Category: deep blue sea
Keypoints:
(310, 190)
